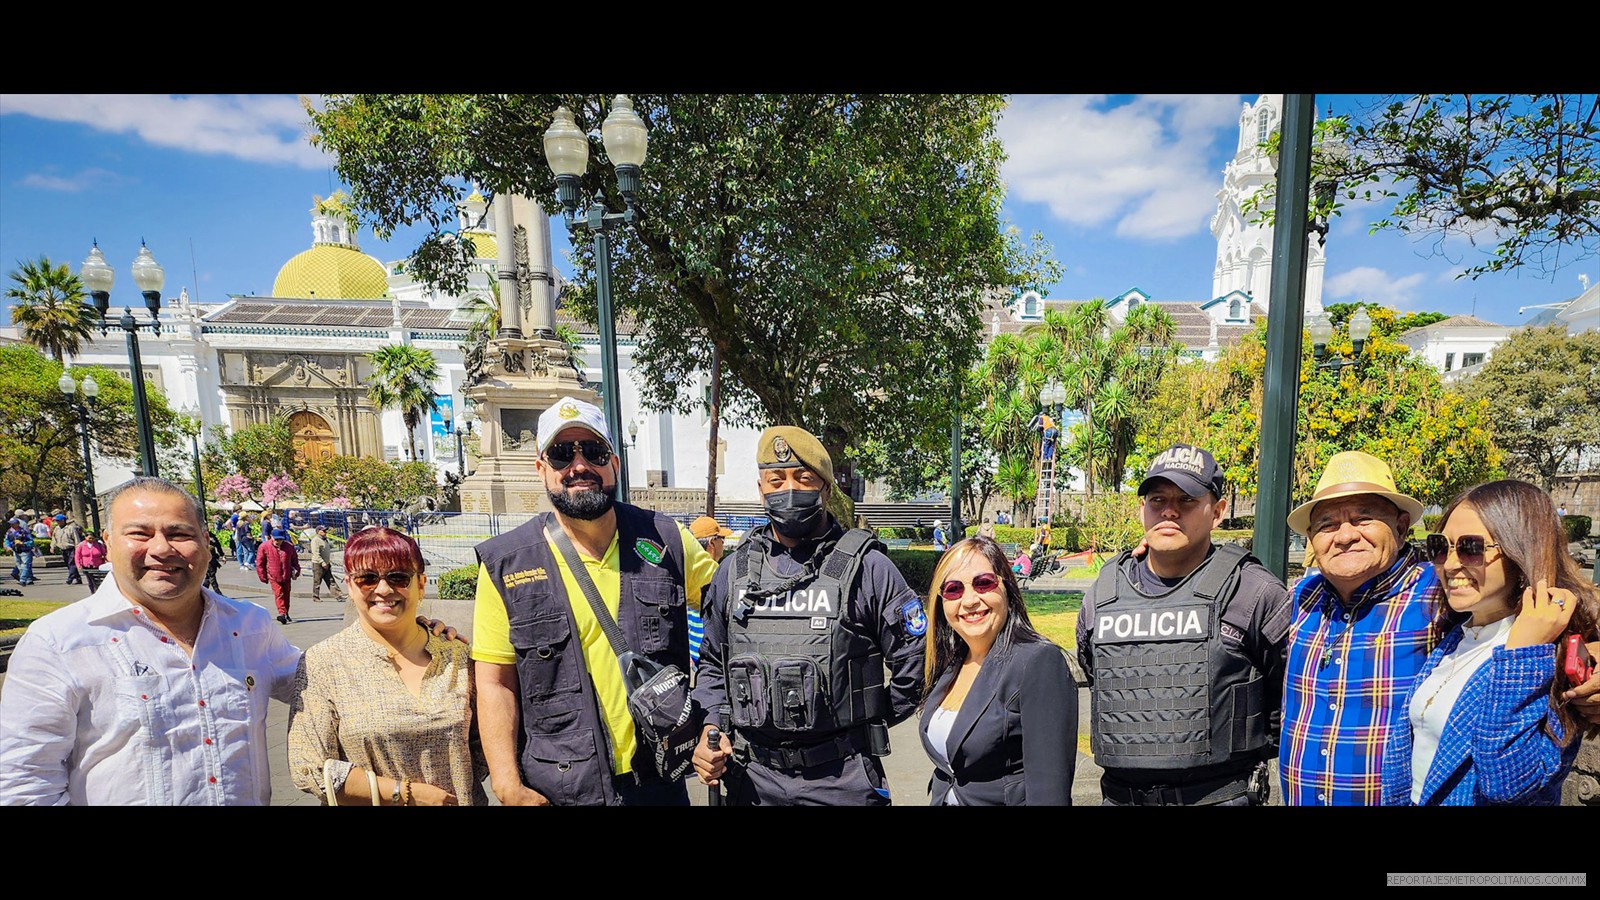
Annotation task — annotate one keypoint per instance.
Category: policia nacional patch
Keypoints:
(916, 620)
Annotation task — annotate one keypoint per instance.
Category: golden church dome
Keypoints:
(331, 272)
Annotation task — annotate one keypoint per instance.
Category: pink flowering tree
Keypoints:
(339, 503)
(235, 489)
(278, 487)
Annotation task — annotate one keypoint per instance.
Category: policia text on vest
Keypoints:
(797, 643)
(1186, 686)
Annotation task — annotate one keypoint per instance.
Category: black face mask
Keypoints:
(795, 514)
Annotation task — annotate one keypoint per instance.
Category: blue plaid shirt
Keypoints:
(1347, 674)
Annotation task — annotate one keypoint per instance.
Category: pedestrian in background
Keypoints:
(320, 548)
(19, 540)
(65, 539)
(278, 564)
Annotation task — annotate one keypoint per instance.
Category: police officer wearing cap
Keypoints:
(1183, 651)
(552, 703)
(800, 624)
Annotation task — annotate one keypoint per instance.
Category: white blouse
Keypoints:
(1437, 695)
(939, 725)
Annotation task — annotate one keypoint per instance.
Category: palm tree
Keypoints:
(402, 378)
(49, 307)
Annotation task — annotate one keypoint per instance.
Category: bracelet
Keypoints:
(406, 800)
(394, 795)
(372, 788)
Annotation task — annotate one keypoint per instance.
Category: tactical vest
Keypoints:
(565, 747)
(1167, 693)
(798, 671)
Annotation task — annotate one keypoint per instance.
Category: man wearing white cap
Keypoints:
(552, 703)
(1362, 630)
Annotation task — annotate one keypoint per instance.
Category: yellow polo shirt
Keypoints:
(491, 630)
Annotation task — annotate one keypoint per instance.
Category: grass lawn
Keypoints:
(16, 615)
(1055, 615)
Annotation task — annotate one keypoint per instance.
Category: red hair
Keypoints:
(382, 549)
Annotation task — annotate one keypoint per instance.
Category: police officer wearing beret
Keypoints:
(800, 624)
(1183, 650)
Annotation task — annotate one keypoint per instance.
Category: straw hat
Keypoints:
(1348, 474)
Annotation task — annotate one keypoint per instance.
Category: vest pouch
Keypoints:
(747, 692)
(661, 614)
(795, 685)
(544, 664)
(565, 768)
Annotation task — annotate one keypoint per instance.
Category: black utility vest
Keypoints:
(1167, 693)
(565, 749)
(798, 670)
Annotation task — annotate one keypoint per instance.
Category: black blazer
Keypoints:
(1014, 741)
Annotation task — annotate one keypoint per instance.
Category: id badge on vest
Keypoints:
(1144, 624)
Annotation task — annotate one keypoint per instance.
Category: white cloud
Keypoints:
(1373, 285)
(84, 180)
(256, 128)
(1145, 166)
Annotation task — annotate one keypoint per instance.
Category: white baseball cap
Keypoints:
(571, 412)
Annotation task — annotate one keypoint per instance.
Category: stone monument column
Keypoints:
(527, 369)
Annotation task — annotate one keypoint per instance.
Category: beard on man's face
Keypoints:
(588, 504)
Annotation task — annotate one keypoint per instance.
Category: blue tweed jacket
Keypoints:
(1494, 749)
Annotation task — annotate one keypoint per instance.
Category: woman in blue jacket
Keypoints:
(1485, 722)
(1000, 713)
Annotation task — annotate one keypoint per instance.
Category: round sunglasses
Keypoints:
(1469, 548)
(955, 589)
(396, 580)
(561, 455)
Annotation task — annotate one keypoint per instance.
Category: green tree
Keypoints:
(403, 378)
(368, 483)
(817, 241)
(49, 307)
(41, 455)
(259, 452)
(1543, 386)
(1393, 406)
(1520, 172)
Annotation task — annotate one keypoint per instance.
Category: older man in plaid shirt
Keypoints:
(1362, 630)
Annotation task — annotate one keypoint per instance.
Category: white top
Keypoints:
(1437, 695)
(939, 735)
(101, 707)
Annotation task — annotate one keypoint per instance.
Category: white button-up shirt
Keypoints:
(101, 707)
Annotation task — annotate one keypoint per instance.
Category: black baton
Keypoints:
(714, 792)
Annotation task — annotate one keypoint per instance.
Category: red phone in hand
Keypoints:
(1580, 664)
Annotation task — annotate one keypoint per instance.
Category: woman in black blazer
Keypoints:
(1000, 713)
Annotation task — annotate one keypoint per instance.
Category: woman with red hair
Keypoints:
(383, 710)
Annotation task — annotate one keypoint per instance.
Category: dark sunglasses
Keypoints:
(397, 580)
(983, 584)
(1469, 549)
(561, 455)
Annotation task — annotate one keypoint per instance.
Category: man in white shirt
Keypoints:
(153, 691)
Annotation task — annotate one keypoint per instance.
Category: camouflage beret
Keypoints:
(789, 446)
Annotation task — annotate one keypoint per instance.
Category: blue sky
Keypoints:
(1123, 187)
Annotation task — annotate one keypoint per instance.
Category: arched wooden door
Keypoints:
(313, 439)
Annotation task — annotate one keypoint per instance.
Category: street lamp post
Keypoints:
(567, 149)
(149, 276)
(459, 427)
(91, 389)
(1322, 331)
(199, 482)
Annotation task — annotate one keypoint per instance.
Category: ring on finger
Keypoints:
(1559, 602)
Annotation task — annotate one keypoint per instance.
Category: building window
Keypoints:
(1449, 361)
(1234, 310)
(1261, 127)
(1471, 359)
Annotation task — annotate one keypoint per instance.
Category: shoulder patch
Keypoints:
(916, 621)
(648, 550)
